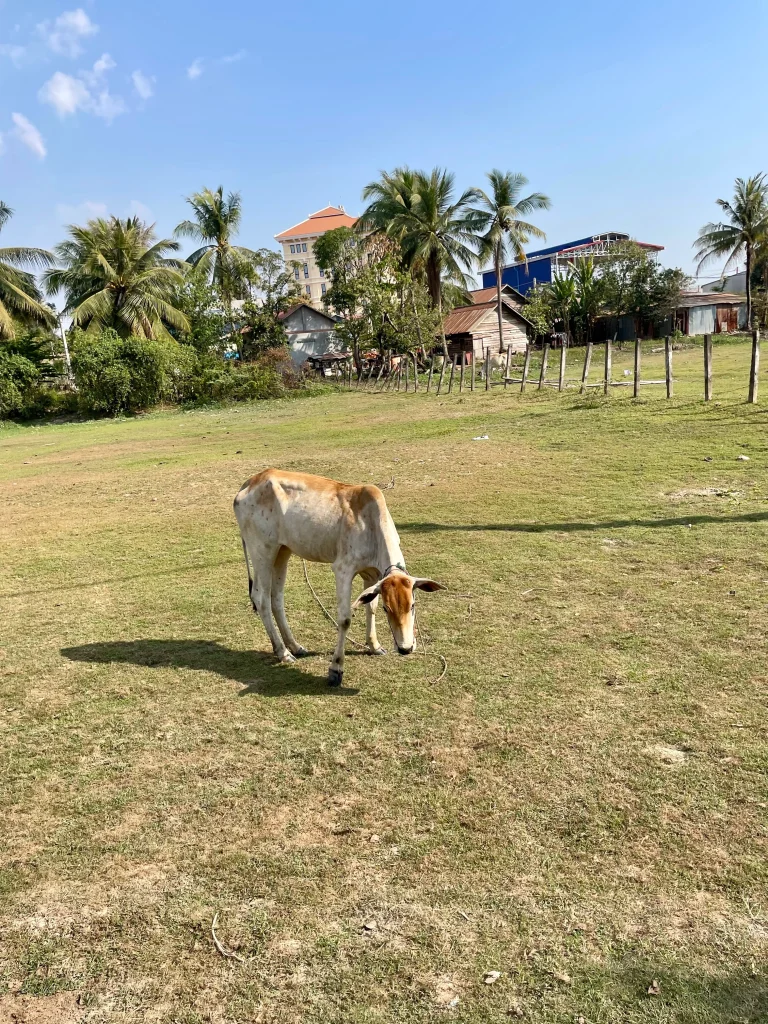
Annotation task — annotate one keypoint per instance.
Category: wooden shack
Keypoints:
(475, 329)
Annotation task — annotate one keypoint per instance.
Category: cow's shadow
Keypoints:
(256, 671)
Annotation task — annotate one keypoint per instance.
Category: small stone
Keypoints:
(566, 979)
(742, 458)
(491, 977)
(654, 989)
(370, 926)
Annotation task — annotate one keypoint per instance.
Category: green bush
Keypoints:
(19, 377)
(218, 381)
(118, 375)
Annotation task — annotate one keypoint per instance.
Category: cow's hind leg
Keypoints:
(279, 573)
(261, 597)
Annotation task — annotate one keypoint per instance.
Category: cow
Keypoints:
(347, 526)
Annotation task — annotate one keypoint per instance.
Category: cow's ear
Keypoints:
(368, 595)
(429, 585)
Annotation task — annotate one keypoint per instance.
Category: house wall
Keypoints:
(701, 320)
(310, 333)
(485, 336)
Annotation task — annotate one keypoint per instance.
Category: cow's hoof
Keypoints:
(335, 676)
(301, 652)
(376, 650)
(287, 659)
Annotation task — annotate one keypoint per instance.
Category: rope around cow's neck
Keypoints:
(364, 647)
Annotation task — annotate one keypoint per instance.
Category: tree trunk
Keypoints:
(498, 298)
(442, 325)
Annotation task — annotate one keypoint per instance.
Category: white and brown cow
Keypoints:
(347, 526)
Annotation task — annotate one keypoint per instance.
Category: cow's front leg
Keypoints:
(344, 616)
(370, 628)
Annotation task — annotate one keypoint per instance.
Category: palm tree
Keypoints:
(505, 232)
(20, 297)
(434, 229)
(115, 273)
(562, 297)
(216, 222)
(746, 231)
(588, 296)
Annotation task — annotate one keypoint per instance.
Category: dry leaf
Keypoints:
(654, 989)
(491, 977)
(562, 976)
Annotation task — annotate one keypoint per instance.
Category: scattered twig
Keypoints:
(445, 668)
(226, 952)
(387, 487)
(465, 916)
(325, 611)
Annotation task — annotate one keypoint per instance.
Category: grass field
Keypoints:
(579, 804)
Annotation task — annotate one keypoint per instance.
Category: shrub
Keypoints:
(116, 375)
(18, 378)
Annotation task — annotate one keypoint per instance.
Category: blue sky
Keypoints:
(631, 117)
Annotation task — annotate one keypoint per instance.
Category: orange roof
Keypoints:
(318, 223)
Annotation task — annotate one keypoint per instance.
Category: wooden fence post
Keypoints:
(453, 370)
(472, 364)
(405, 359)
(378, 375)
(526, 366)
(668, 365)
(487, 369)
(754, 369)
(636, 388)
(587, 364)
(399, 374)
(707, 367)
(461, 374)
(431, 371)
(506, 368)
(349, 374)
(608, 366)
(561, 376)
(415, 374)
(442, 373)
(544, 358)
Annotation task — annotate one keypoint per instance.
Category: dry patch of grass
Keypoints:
(578, 805)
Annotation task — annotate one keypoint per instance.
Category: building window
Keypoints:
(303, 246)
(306, 270)
(309, 290)
(293, 248)
(296, 273)
(322, 288)
(322, 273)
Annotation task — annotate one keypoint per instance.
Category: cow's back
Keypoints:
(313, 516)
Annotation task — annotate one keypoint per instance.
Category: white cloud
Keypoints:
(80, 212)
(143, 84)
(66, 33)
(88, 92)
(26, 132)
(65, 94)
(195, 69)
(233, 57)
(15, 54)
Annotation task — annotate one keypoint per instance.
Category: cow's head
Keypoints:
(397, 592)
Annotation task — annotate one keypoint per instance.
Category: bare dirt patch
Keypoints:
(61, 1008)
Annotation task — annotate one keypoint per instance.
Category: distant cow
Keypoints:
(347, 526)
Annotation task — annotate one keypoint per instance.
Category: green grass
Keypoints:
(580, 803)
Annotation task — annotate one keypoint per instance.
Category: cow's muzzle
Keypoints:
(404, 650)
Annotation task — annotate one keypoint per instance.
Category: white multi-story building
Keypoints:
(298, 243)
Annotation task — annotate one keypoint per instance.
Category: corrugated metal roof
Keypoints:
(462, 319)
(690, 299)
(507, 291)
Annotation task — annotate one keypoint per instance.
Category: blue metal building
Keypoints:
(544, 264)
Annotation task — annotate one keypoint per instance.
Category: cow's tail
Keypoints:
(250, 577)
